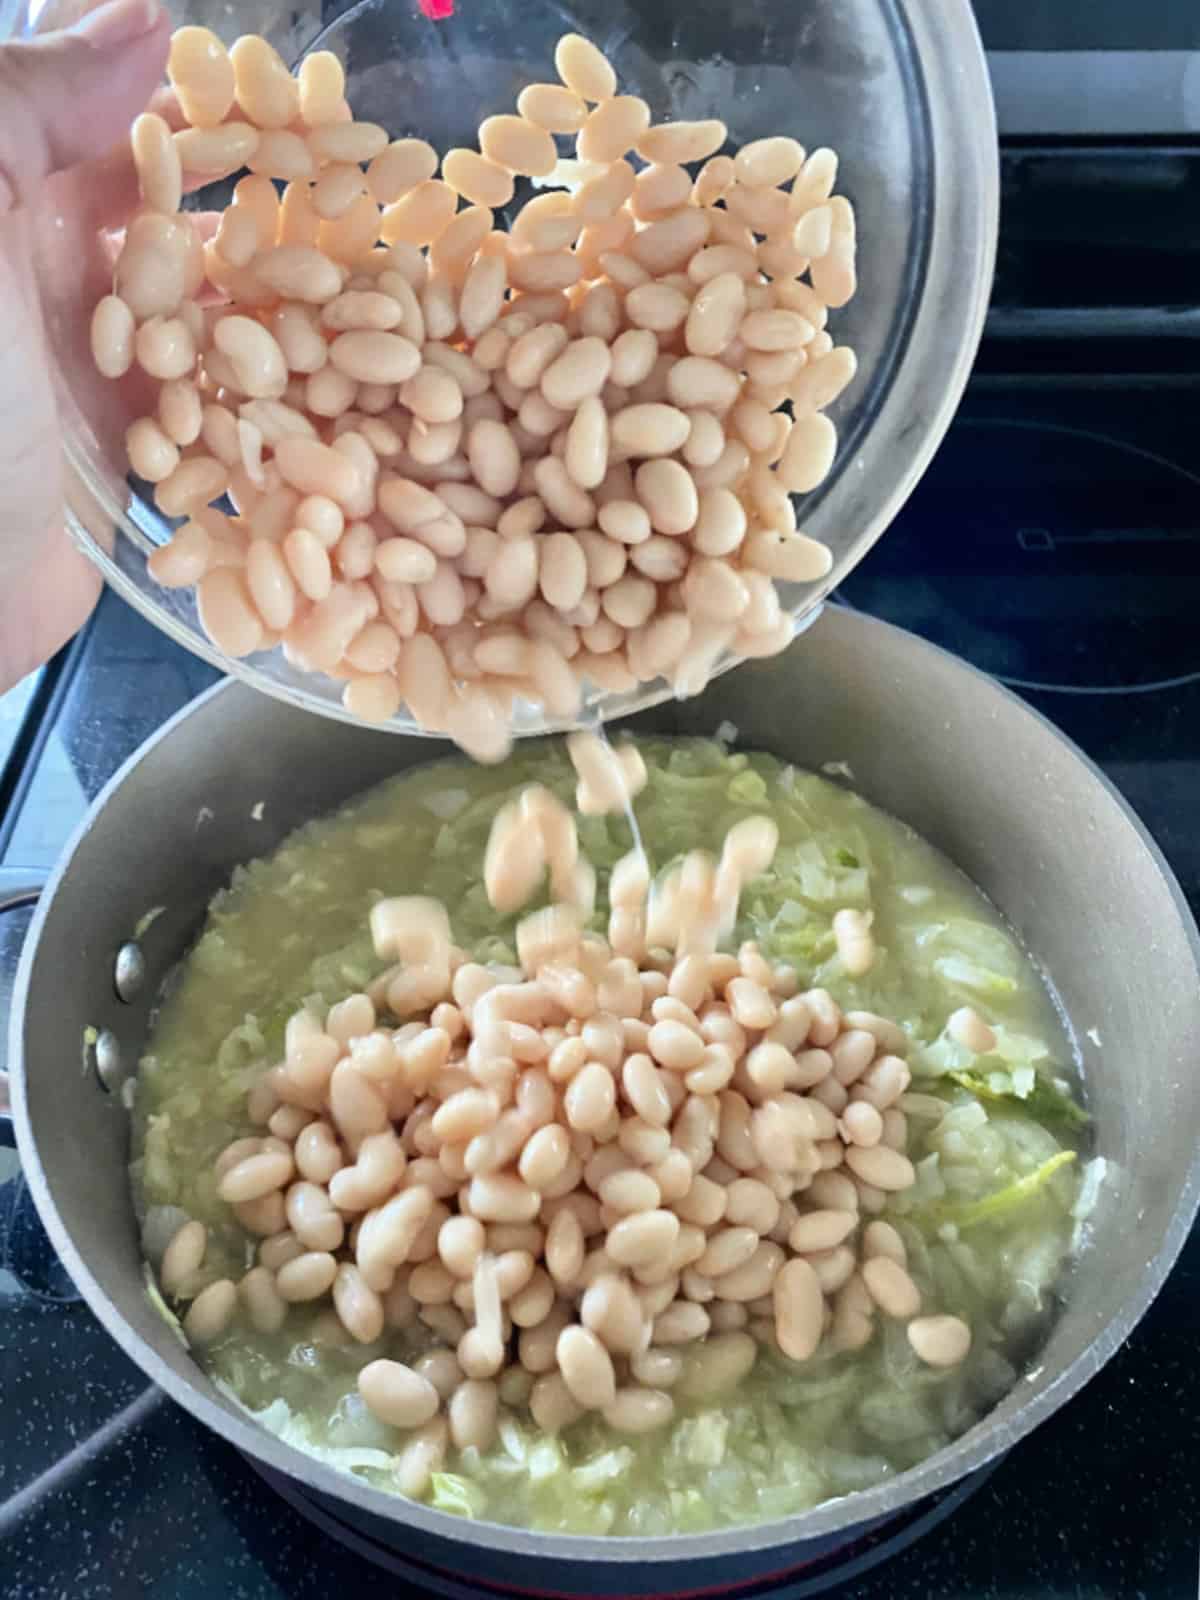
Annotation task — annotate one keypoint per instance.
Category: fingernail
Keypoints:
(118, 22)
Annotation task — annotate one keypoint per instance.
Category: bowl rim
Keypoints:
(956, 289)
(987, 1439)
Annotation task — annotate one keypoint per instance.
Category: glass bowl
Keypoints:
(897, 87)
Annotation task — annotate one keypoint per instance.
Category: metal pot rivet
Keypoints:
(106, 1057)
(129, 972)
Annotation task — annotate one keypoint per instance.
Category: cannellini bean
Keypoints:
(851, 1052)
(359, 1307)
(307, 1276)
(581, 370)
(520, 146)
(183, 1257)
(151, 274)
(612, 129)
(441, 1369)
(277, 1251)
(702, 381)
(202, 76)
(285, 156)
(532, 352)
(586, 452)
(263, 1216)
(157, 161)
(883, 1082)
(548, 106)
(855, 942)
(808, 454)
(270, 583)
(650, 430)
(755, 1277)
(264, 1305)
(211, 1312)
(881, 1239)
(660, 190)
(321, 83)
(189, 488)
(348, 141)
(638, 1410)
(214, 152)
(853, 1319)
(265, 89)
(890, 1287)
(821, 1230)
(668, 244)
(940, 1341)
(861, 1124)
(717, 1366)
(587, 1368)
(583, 68)
(766, 163)
(727, 1250)
(152, 455)
(682, 142)
(112, 336)
(881, 1167)
(799, 1309)
(967, 1028)
(419, 215)
(472, 1414)
(793, 557)
(716, 314)
(494, 457)
(667, 491)
(478, 180)
(590, 1097)
(552, 1405)
(833, 273)
(613, 1312)
(889, 1036)
(642, 1238)
(228, 612)
(500, 1197)
(545, 1157)
(421, 1457)
(396, 1394)
(820, 382)
(374, 357)
(254, 355)
(317, 469)
(401, 167)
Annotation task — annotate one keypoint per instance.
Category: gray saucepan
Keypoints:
(925, 737)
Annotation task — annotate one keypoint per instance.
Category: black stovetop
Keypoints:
(1054, 542)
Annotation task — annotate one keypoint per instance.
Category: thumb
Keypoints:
(68, 96)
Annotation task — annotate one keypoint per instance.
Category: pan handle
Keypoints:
(19, 886)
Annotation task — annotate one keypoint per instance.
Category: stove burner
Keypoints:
(1053, 557)
(814, 1577)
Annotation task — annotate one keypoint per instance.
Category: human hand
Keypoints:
(64, 97)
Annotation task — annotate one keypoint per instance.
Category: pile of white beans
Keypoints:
(472, 465)
(594, 1182)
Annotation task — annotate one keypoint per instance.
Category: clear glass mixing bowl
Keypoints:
(898, 87)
